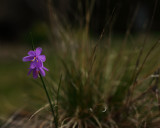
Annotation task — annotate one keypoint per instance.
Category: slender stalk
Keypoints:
(51, 106)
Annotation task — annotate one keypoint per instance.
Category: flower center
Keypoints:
(35, 59)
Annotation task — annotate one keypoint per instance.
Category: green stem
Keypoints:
(51, 106)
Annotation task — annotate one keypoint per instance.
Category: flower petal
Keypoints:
(35, 74)
(31, 53)
(45, 68)
(36, 64)
(33, 65)
(39, 64)
(42, 58)
(30, 71)
(28, 58)
(38, 51)
(42, 71)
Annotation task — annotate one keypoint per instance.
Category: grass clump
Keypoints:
(104, 86)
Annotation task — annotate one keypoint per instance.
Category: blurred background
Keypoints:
(42, 22)
(18, 18)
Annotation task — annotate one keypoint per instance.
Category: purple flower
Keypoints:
(35, 57)
(37, 70)
(36, 65)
